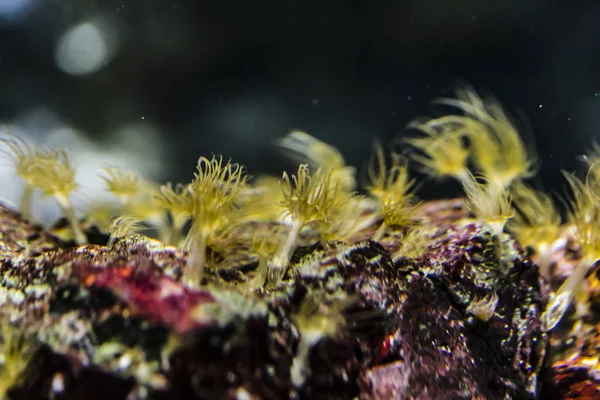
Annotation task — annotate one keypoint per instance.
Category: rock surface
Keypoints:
(346, 322)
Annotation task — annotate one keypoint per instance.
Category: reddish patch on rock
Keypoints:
(575, 383)
(150, 294)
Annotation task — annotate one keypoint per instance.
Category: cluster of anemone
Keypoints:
(477, 144)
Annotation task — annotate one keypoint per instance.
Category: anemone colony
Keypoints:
(478, 145)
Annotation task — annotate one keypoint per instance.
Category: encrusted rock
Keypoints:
(345, 322)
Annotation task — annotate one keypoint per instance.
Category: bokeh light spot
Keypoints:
(86, 48)
(12, 7)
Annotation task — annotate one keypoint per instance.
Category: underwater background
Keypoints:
(152, 85)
